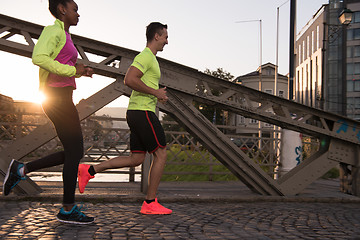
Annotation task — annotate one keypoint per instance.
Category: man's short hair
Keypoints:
(153, 28)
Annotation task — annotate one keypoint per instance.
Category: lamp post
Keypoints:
(277, 47)
(276, 128)
(260, 65)
(335, 81)
(260, 48)
(345, 18)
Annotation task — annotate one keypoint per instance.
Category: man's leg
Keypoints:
(151, 205)
(135, 159)
(156, 171)
(87, 172)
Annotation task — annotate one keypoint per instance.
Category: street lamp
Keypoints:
(260, 50)
(260, 67)
(277, 48)
(345, 16)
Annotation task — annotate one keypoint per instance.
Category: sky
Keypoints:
(203, 34)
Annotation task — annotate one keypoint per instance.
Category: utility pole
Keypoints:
(292, 48)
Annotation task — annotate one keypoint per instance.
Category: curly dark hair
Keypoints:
(53, 4)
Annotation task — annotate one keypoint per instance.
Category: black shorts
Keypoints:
(147, 134)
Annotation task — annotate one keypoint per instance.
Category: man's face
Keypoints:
(162, 39)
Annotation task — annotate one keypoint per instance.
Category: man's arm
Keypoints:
(133, 80)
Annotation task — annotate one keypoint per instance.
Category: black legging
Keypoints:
(61, 110)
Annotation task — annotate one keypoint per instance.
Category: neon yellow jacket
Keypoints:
(49, 45)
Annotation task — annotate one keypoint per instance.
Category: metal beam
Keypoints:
(186, 85)
(45, 133)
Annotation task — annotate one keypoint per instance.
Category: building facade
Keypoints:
(327, 74)
(250, 126)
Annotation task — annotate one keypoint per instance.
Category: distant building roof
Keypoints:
(264, 67)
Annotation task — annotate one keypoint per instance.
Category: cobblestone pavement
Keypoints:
(260, 220)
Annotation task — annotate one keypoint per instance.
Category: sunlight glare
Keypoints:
(39, 98)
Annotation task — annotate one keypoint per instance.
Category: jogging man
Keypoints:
(147, 134)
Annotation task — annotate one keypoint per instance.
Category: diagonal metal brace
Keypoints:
(43, 134)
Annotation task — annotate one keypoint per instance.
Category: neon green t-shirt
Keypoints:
(147, 63)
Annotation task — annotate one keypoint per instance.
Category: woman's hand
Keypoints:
(82, 70)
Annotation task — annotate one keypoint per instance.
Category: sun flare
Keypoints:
(39, 98)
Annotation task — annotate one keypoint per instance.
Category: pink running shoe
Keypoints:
(154, 208)
(83, 177)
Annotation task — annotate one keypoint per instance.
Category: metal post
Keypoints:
(276, 134)
(344, 68)
(292, 47)
(260, 76)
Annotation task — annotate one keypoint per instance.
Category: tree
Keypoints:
(220, 73)
(212, 113)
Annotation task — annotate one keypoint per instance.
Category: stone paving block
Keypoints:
(265, 220)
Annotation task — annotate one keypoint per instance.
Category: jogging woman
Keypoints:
(56, 56)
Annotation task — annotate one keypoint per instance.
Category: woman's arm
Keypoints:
(44, 49)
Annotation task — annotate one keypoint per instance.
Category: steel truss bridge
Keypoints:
(340, 136)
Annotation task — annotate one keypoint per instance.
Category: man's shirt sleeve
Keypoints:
(141, 62)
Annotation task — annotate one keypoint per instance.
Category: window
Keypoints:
(241, 119)
(350, 34)
(357, 85)
(253, 121)
(356, 17)
(356, 51)
(307, 46)
(353, 34)
(317, 37)
(303, 51)
(299, 54)
(353, 51)
(349, 51)
(353, 103)
(333, 54)
(312, 42)
(350, 86)
(316, 69)
(349, 69)
(353, 68)
(356, 68)
(357, 103)
(269, 91)
(281, 92)
(356, 33)
(268, 125)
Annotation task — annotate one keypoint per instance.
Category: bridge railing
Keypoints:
(107, 137)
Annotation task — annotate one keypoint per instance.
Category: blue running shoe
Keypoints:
(12, 177)
(75, 216)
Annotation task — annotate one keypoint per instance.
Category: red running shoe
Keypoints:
(83, 177)
(154, 208)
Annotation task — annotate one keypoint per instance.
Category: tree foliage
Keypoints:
(220, 73)
(212, 113)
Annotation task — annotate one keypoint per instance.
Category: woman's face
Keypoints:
(71, 15)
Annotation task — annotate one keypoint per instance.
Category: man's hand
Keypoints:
(161, 95)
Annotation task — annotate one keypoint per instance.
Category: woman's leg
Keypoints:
(62, 112)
